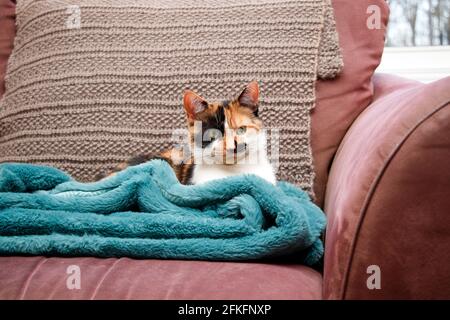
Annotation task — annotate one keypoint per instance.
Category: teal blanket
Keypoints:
(144, 212)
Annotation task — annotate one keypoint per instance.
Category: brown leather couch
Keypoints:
(381, 148)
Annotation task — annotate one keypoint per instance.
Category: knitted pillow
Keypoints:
(92, 83)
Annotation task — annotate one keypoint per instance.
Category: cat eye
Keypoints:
(213, 135)
(241, 130)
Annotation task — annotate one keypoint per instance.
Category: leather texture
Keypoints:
(46, 278)
(387, 196)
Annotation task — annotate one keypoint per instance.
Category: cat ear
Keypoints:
(193, 104)
(250, 96)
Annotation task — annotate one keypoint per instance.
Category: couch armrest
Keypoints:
(388, 196)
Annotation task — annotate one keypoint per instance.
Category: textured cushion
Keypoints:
(84, 99)
(46, 278)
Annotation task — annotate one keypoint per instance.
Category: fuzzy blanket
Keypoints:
(144, 212)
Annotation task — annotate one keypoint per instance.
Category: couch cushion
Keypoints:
(46, 278)
(7, 33)
(340, 101)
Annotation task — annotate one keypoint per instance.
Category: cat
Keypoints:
(225, 139)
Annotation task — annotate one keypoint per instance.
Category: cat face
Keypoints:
(228, 132)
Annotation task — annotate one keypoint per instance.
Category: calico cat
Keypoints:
(225, 139)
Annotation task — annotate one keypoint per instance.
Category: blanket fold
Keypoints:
(144, 212)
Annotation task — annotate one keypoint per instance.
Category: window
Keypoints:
(418, 39)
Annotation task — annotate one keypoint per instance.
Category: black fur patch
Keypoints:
(215, 121)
